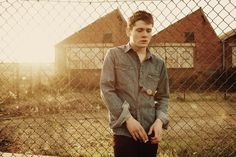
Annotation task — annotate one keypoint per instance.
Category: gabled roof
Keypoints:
(193, 22)
(228, 34)
(112, 23)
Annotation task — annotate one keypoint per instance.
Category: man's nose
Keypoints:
(145, 34)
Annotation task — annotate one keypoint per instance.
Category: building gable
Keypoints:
(107, 29)
(188, 29)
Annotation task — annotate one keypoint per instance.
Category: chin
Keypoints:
(143, 45)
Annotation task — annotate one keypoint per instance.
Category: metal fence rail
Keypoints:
(51, 53)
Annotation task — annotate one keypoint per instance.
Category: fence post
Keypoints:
(17, 81)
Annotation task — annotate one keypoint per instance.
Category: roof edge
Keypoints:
(113, 11)
(227, 35)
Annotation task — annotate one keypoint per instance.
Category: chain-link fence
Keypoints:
(51, 53)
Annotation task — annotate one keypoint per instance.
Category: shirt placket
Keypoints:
(140, 97)
(141, 79)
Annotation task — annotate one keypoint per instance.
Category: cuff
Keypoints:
(125, 114)
(164, 118)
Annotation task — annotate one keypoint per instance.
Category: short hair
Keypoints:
(140, 15)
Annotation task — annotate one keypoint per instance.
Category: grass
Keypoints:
(76, 124)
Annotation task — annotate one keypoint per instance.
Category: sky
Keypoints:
(29, 29)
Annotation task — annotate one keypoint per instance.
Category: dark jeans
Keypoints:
(128, 147)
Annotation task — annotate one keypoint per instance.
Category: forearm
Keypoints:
(162, 98)
(161, 108)
(118, 109)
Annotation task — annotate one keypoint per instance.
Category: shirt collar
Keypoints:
(128, 48)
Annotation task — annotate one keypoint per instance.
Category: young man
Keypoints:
(134, 87)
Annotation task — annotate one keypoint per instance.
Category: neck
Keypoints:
(139, 50)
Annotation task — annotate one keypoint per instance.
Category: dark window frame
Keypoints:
(189, 37)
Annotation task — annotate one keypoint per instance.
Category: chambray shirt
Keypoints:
(129, 87)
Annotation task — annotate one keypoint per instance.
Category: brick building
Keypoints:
(80, 56)
(229, 49)
(229, 60)
(191, 50)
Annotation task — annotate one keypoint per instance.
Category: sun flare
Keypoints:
(34, 47)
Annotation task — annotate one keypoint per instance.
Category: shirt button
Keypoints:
(149, 92)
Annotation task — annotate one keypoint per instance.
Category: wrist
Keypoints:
(159, 121)
(128, 118)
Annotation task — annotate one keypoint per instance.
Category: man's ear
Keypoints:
(128, 31)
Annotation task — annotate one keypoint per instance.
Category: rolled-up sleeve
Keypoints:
(162, 97)
(118, 108)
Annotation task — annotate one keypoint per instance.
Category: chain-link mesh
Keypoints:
(51, 53)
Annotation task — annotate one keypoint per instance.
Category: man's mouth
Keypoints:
(143, 41)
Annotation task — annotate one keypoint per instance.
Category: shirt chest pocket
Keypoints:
(152, 80)
(124, 73)
(123, 67)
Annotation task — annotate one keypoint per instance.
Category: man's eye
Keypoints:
(139, 30)
(149, 31)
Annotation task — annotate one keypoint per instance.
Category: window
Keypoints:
(171, 57)
(233, 56)
(186, 58)
(176, 56)
(189, 37)
(85, 57)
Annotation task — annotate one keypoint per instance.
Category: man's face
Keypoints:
(140, 35)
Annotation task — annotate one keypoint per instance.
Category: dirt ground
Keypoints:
(201, 124)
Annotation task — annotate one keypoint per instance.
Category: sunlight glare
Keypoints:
(34, 47)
